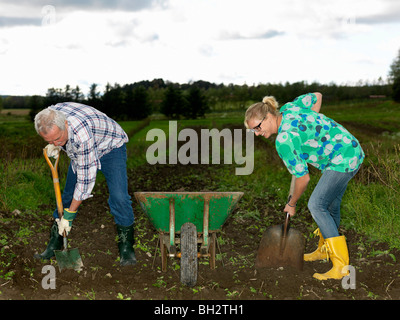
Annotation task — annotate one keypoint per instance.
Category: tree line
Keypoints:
(190, 100)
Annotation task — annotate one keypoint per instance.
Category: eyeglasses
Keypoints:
(257, 127)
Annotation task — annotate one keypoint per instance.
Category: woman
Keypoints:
(305, 136)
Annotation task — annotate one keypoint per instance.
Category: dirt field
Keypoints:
(15, 112)
(235, 276)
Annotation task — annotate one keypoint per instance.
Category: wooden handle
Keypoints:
(291, 190)
(56, 182)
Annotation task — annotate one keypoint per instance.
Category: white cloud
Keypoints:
(228, 41)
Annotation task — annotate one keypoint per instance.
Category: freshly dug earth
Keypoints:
(235, 276)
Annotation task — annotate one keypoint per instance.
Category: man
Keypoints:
(93, 142)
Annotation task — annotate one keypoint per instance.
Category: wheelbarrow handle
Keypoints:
(56, 182)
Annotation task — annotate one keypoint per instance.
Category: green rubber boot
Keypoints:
(125, 245)
(55, 243)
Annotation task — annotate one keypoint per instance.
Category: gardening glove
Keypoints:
(66, 221)
(52, 150)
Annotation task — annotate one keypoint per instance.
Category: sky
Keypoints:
(51, 43)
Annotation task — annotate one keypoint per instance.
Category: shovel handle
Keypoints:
(287, 220)
(286, 225)
(291, 190)
(283, 238)
(56, 182)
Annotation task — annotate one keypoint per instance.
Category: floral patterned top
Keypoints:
(307, 137)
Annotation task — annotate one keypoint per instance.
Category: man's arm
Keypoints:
(74, 205)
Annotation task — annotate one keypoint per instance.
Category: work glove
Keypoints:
(65, 223)
(52, 150)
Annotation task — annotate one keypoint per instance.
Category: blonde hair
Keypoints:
(260, 110)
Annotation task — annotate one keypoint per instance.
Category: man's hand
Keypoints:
(66, 221)
(52, 151)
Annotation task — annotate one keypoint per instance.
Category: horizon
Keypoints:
(358, 84)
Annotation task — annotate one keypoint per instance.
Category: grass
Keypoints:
(377, 200)
(24, 187)
(371, 204)
(374, 195)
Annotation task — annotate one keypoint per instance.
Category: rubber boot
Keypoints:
(319, 253)
(125, 245)
(339, 255)
(55, 243)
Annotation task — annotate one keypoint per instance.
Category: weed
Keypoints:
(90, 295)
(160, 282)
(231, 294)
(120, 296)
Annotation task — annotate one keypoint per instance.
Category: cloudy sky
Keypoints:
(51, 43)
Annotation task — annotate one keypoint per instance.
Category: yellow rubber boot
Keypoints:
(338, 253)
(318, 254)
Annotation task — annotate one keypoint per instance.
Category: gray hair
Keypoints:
(47, 118)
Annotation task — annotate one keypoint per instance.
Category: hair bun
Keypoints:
(271, 102)
(267, 99)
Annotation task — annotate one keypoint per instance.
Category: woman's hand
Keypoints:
(299, 187)
(289, 209)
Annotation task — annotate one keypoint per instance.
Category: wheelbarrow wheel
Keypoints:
(189, 254)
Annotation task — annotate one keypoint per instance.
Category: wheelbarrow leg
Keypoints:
(208, 245)
(163, 249)
(212, 250)
(206, 215)
(172, 248)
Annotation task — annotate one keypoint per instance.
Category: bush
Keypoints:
(396, 90)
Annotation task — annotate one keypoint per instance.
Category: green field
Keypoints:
(371, 205)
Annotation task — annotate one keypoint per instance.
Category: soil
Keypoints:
(234, 278)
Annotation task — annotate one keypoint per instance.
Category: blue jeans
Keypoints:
(113, 166)
(324, 203)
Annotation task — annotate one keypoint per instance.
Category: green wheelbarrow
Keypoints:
(187, 223)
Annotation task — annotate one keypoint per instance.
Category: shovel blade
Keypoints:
(273, 252)
(69, 259)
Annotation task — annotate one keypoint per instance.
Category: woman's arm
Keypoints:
(299, 188)
(317, 106)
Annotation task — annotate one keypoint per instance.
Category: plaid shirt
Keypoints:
(91, 135)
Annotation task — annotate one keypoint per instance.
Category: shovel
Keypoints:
(281, 245)
(66, 259)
